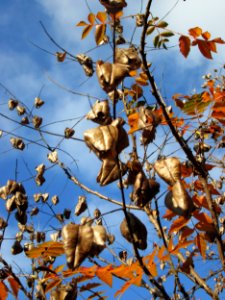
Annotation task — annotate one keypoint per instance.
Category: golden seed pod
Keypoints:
(169, 169)
(100, 113)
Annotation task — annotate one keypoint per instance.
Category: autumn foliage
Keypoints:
(174, 193)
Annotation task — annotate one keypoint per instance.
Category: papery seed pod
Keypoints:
(38, 236)
(110, 239)
(99, 240)
(34, 211)
(55, 236)
(11, 204)
(55, 199)
(128, 57)
(37, 197)
(45, 197)
(21, 201)
(78, 240)
(60, 217)
(169, 169)
(3, 223)
(178, 200)
(12, 103)
(4, 192)
(140, 20)
(17, 143)
(100, 113)
(81, 205)
(28, 228)
(110, 172)
(123, 255)
(97, 213)
(20, 110)
(53, 156)
(86, 221)
(21, 217)
(67, 213)
(16, 248)
(110, 75)
(25, 121)
(138, 229)
(38, 102)
(86, 63)
(98, 222)
(14, 187)
(39, 179)
(19, 236)
(68, 132)
(115, 95)
(120, 40)
(40, 169)
(37, 121)
(113, 6)
(201, 147)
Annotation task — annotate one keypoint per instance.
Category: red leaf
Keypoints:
(178, 224)
(204, 48)
(185, 45)
(105, 274)
(14, 286)
(195, 32)
(169, 214)
(3, 291)
(201, 244)
(218, 40)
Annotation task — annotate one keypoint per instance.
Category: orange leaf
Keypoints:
(206, 35)
(204, 48)
(201, 244)
(149, 259)
(117, 15)
(86, 31)
(169, 214)
(185, 45)
(82, 23)
(141, 81)
(3, 291)
(161, 252)
(105, 274)
(178, 224)
(100, 33)
(133, 122)
(186, 171)
(123, 289)
(205, 227)
(91, 18)
(203, 217)
(195, 32)
(186, 232)
(14, 286)
(180, 246)
(46, 249)
(212, 46)
(101, 16)
(52, 284)
(59, 268)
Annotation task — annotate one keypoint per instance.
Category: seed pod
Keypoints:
(4, 192)
(53, 156)
(38, 102)
(67, 213)
(140, 20)
(86, 63)
(12, 103)
(21, 217)
(55, 199)
(128, 57)
(11, 204)
(100, 113)
(17, 143)
(34, 211)
(78, 240)
(14, 187)
(113, 6)
(20, 110)
(169, 169)
(25, 121)
(110, 75)
(68, 132)
(99, 239)
(3, 223)
(110, 172)
(81, 205)
(178, 200)
(123, 255)
(138, 230)
(37, 121)
(16, 248)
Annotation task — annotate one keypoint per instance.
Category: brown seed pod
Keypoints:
(55, 199)
(169, 169)
(53, 156)
(178, 200)
(3, 223)
(81, 205)
(12, 103)
(11, 204)
(99, 240)
(20, 110)
(66, 213)
(17, 143)
(140, 20)
(78, 240)
(38, 102)
(128, 57)
(110, 75)
(16, 248)
(138, 229)
(100, 113)
(37, 121)
(68, 132)
(87, 64)
(110, 172)
(113, 6)
(25, 121)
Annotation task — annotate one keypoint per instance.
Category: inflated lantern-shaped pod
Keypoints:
(110, 75)
(138, 230)
(100, 113)
(129, 57)
(107, 140)
(177, 200)
(168, 169)
(110, 171)
(113, 6)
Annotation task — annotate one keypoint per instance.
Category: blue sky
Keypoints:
(27, 72)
